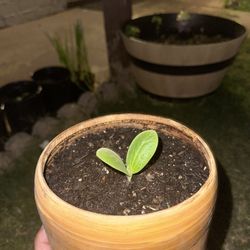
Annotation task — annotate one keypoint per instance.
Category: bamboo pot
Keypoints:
(183, 226)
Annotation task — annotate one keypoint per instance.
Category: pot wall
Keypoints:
(182, 55)
(58, 88)
(184, 226)
(21, 103)
(178, 86)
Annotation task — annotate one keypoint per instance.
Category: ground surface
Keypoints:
(222, 118)
(243, 5)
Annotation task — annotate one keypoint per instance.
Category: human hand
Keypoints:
(41, 240)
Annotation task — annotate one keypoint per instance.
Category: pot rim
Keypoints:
(39, 172)
(52, 73)
(178, 46)
(142, 41)
(18, 87)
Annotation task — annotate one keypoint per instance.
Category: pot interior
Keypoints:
(164, 167)
(196, 24)
(51, 74)
(20, 91)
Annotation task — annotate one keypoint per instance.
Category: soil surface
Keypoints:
(194, 39)
(76, 175)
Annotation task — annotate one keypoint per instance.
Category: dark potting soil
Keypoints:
(194, 39)
(76, 175)
(183, 38)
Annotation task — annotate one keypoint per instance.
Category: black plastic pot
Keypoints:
(21, 105)
(3, 132)
(182, 70)
(58, 89)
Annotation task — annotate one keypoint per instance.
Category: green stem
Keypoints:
(129, 178)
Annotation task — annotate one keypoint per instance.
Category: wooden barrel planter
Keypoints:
(21, 105)
(182, 59)
(58, 88)
(182, 226)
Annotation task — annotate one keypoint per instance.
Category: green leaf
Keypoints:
(157, 20)
(132, 31)
(141, 150)
(112, 159)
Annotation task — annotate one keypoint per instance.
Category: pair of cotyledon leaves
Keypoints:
(140, 151)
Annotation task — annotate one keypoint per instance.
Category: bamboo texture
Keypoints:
(181, 227)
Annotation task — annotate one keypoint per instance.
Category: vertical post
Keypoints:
(116, 12)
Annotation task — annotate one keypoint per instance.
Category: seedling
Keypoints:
(132, 31)
(183, 16)
(140, 151)
(157, 21)
(183, 26)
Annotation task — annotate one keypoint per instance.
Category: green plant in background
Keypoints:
(132, 31)
(183, 16)
(238, 4)
(73, 55)
(182, 19)
(157, 21)
(140, 151)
